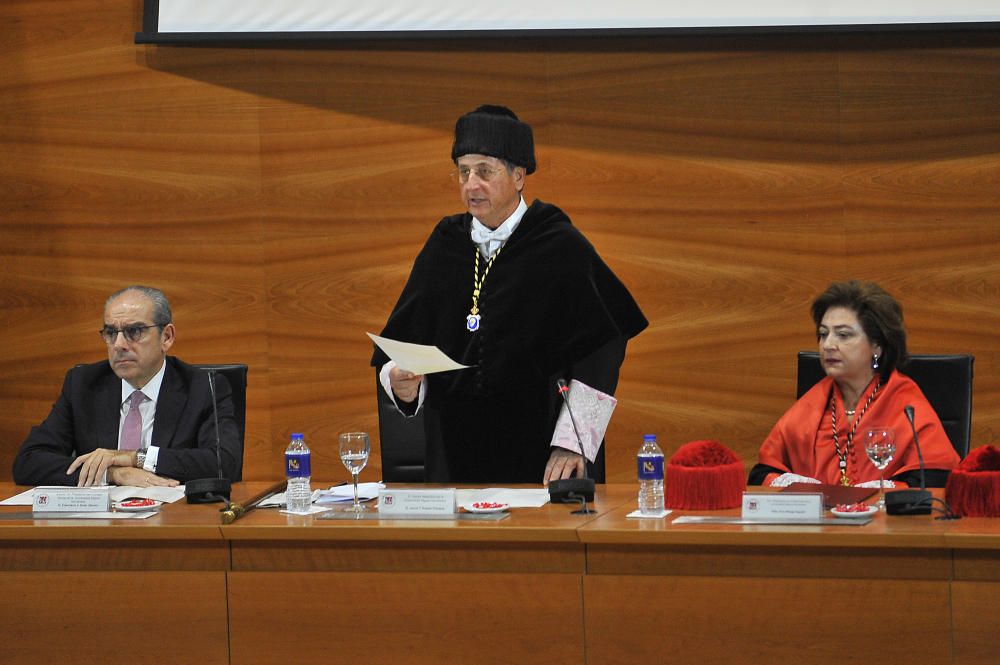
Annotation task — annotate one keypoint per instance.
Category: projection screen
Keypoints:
(206, 20)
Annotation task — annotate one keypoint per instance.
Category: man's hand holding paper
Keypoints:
(409, 363)
(417, 359)
(405, 384)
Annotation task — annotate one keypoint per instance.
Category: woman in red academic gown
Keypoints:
(862, 342)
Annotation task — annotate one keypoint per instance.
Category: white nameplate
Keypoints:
(416, 502)
(71, 499)
(782, 506)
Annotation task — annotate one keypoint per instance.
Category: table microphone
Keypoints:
(211, 490)
(910, 502)
(571, 490)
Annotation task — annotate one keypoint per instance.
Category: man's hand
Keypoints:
(406, 385)
(93, 465)
(129, 475)
(563, 464)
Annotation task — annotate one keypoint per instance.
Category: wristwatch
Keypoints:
(140, 458)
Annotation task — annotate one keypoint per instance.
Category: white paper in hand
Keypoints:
(592, 410)
(416, 358)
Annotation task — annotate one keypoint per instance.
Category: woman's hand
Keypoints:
(786, 479)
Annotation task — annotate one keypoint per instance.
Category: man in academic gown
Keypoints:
(142, 418)
(517, 293)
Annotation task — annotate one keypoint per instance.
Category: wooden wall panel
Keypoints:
(189, 604)
(691, 620)
(415, 617)
(280, 195)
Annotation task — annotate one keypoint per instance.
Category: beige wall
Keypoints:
(279, 196)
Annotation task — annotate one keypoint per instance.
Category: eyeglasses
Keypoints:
(482, 171)
(132, 333)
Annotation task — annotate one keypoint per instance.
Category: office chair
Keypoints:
(236, 374)
(945, 380)
(401, 441)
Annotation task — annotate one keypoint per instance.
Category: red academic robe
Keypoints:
(802, 440)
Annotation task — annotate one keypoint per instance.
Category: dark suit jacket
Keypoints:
(86, 417)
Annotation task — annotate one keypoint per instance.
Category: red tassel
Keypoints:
(973, 489)
(984, 458)
(704, 475)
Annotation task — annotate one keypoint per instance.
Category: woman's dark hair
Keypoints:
(880, 316)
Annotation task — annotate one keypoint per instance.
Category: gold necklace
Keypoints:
(472, 320)
(842, 454)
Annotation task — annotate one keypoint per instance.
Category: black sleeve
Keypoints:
(932, 477)
(600, 369)
(49, 448)
(193, 455)
(759, 472)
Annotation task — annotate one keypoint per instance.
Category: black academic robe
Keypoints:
(549, 304)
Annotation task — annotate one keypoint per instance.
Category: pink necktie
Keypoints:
(132, 432)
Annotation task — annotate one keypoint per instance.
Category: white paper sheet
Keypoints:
(515, 498)
(331, 495)
(140, 515)
(637, 514)
(118, 493)
(416, 358)
(312, 511)
(345, 493)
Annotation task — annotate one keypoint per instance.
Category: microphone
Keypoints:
(910, 502)
(211, 490)
(571, 490)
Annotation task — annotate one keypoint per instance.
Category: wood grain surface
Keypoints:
(976, 622)
(625, 591)
(191, 606)
(279, 196)
(411, 618)
(759, 620)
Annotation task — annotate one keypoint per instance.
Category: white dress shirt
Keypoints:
(147, 409)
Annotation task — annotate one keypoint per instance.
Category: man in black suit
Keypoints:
(141, 419)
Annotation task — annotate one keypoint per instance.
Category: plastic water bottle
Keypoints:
(298, 494)
(650, 461)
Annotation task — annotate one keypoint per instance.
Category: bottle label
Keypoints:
(297, 465)
(650, 467)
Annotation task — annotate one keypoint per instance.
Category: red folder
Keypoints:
(834, 495)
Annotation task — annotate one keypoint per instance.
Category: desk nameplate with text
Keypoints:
(784, 506)
(71, 499)
(409, 502)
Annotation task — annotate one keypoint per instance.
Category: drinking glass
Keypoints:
(880, 446)
(354, 450)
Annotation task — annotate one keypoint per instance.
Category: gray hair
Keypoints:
(161, 306)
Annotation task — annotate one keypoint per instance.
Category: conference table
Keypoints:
(540, 586)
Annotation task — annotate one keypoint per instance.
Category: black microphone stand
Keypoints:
(211, 490)
(910, 502)
(573, 489)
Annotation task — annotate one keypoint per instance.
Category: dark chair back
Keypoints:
(945, 380)
(401, 441)
(236, 374)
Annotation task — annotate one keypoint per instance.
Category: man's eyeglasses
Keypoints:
(132, 333)
(482, 171)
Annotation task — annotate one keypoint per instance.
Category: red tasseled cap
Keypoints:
(973, 488)
(704, 475)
